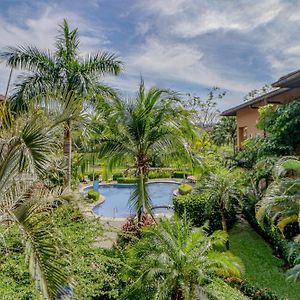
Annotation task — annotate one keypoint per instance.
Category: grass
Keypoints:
(262, 268)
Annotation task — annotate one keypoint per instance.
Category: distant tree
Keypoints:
(258, 92)
(205, 111)
(224, 132)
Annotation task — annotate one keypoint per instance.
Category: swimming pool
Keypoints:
(117, 196)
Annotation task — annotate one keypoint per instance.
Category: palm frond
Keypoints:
(101, 63)
(41, 247)
(29, 58)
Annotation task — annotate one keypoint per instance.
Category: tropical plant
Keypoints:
(174, 261)
(25, 148)
(62, 69)
(294, 253)
(281, 204)
(282, 126)
(153, 124)
(224, 188)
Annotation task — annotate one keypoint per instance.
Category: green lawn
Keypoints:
(261, 267)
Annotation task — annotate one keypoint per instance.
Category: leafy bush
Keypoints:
(159, 174)
(280, 246)
(132, 230)
(199, 208)
(185, 189)
(179, 174)
(96, 176)
(95, 272)
(127, 180)
(93, 195)
(251, 291)
(117, 175)
(15, 280)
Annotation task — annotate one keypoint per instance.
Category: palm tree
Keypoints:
(175, 261)
(223, 186)
(62, 69)
(25, 146)
(151, 125)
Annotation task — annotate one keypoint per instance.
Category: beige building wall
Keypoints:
(246, 124)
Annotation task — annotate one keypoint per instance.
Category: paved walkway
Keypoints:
(111, 227)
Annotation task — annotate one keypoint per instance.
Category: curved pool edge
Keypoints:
(91, 206)
(162, 180)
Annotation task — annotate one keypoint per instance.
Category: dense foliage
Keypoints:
(251, 291)
(172, 261)
(199, 208)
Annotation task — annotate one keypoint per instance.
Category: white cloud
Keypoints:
(165, 8)
(268, 27)
(226, 17)
(182, 62)
(40, 29)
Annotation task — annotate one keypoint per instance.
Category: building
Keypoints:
(287, 89)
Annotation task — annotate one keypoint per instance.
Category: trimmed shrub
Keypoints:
(185, 189)
(179, 174)
(159, 174)
(199, 208)
(250, 290)
(93, 195)
(127, 180)
(117, 175)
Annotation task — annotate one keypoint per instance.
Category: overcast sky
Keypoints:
(186, 45)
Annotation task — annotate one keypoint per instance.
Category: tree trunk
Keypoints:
(68, 155)
(224, 224)
(141, 195)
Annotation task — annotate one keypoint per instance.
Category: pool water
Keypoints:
(117, 195)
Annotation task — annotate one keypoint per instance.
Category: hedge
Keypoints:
(93, 195)
(127, 180)
(117, 175)
(159, 174)
(179, 174)
(199, 208)
(250, 290)
(185, 189)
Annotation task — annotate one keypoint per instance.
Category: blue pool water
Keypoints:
(117, 196)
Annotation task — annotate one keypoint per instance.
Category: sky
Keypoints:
(188, 46)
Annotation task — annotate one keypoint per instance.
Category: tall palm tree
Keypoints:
(174, 261)
(223, 186)
(25, 147)
(62, 69)
(151, 125)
